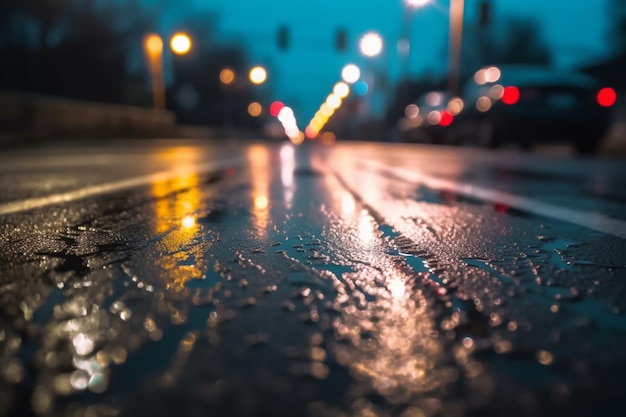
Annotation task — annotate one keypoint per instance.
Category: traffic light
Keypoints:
(341, 40)
(283, 38)
(485, 14)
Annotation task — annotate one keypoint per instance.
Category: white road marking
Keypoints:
(125, 184)
(594, 221)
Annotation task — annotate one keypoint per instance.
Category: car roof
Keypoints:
(528, 75)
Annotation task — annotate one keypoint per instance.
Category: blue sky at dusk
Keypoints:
(575, 30)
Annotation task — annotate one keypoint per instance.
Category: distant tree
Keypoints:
(68, 47)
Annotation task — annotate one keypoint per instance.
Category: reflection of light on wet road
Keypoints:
(176, 211)
(348, 205)
(259, 160)
(188, 222)
(287, 168)
(261, 202)
(387, 331)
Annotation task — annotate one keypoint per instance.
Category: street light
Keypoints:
(180, 43)
(371, 44)
(350, 73)
(258, 75)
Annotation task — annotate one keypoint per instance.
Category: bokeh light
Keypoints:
(153, 44)
(361, 88)
(510, 95)
(411, 111)
(255, 109)
(180, 43)
(258, 75)
(333, 101)
(227, 76)
(606, 97)
(371, 44)
(483, 104)
(276, 107)
(327, 138)
(455, 105)
(341, 89)
(350, 73)
(416, 3)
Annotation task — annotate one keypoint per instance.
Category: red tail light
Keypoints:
(606, 97)
(446, 118)
(510, 95)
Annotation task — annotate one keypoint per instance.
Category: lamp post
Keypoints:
(180, 44)
(404, 44)
(456, 35)
(153, 48)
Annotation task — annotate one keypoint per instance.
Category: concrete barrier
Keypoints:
(43, 114)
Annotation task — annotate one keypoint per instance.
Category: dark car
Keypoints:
(531, 104)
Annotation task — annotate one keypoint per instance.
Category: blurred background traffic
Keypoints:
(458, 72)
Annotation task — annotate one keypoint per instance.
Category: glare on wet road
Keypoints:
(279, 280)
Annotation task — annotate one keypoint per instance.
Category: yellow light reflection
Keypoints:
(227, 76)
(341, 89)
(326, 110)
(176, 207)
(333, 101)
(261, 202)
(189, 222)
(259, 159)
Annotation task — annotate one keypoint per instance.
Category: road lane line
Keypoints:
(125, 184)
(594, 221)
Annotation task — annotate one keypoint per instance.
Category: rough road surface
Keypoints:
(358, 280)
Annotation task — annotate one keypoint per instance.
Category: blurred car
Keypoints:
(427, 119)
(532, 104)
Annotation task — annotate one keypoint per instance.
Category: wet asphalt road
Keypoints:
(161, 278)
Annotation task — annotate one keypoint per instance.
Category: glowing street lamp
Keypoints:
(371, 44)
(258, 75)
(416, 3)
(227, 76)
(153, 48)
(350, 73)
(180, 43)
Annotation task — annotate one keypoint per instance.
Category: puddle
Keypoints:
(486, 266)
(388, 231)
(208, 280)
(554, 248)
(419, 265)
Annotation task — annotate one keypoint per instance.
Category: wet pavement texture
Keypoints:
(305, 282)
